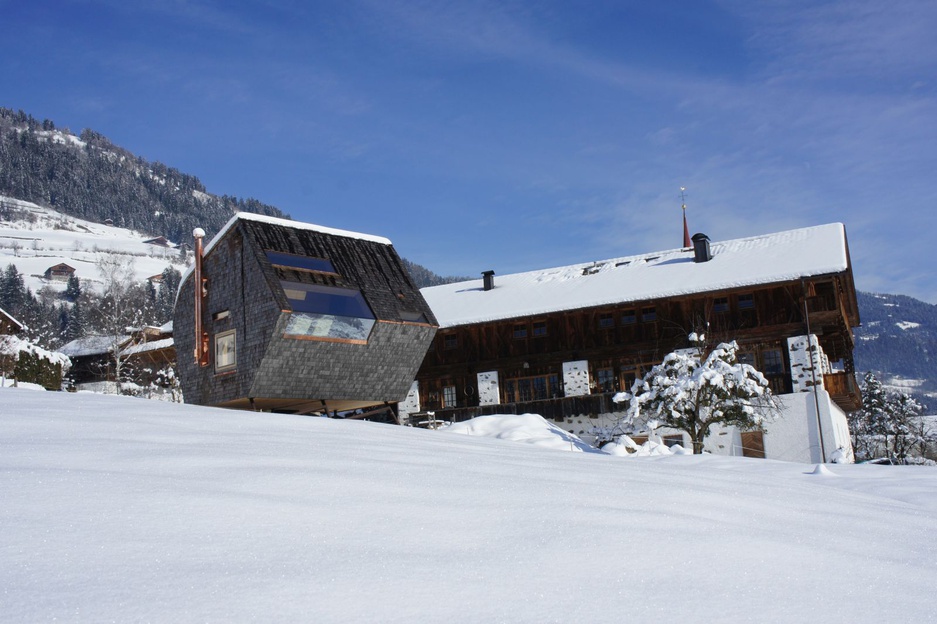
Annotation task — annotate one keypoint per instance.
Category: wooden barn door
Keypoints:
(753, 444)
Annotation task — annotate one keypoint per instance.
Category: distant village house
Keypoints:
(60, 272)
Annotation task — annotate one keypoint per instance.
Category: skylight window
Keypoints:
(302, 263)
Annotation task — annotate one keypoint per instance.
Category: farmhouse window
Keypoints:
(450, 341)
(537, 388)
(673, 440)
(628, 317)
(327, 312)
(540, 329)
(628, 377)
(605, 379)
(225, 351)
(606, 321)
(520, 332)
(648, 314)
(721, 304)
(449, 396)
(772, 362)
(746, 301)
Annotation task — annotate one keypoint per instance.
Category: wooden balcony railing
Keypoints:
(843, 390)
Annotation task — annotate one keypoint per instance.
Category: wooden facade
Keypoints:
(300, 319)
(525, 356)
(8, 324)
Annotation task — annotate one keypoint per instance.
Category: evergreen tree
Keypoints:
(73, 289)
(693, 390)
(889, 423)
(13, 291)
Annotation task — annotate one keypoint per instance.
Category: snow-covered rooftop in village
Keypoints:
(90, 345)
(767, 259)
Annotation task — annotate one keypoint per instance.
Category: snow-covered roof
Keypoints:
(298, 225)
(90, 345)
(10, 318)
(753, 261)
(143, 347)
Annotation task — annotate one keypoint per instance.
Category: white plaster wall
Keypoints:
(410, 405)
(806, 356)
(489, 390)
(576, 378)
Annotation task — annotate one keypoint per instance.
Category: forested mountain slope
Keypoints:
(89, 177)
(898, 340)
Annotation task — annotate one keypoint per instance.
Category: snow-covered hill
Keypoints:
(120, 509)
(36, 238)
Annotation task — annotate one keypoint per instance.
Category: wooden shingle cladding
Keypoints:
(245, 298)
(621, 342)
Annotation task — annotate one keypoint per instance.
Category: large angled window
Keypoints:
(327, 312)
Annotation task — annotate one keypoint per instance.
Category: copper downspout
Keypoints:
(201, 336)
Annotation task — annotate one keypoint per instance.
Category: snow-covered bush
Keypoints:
(26, 361)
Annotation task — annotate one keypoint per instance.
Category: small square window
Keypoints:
(648, 314)
(772, 362)
(605, 379)
(540, 329)
(746, 302)
(606, 321)
(629, 317)
(225, 351)
(721, 304)
(520, 332)
(451, 341)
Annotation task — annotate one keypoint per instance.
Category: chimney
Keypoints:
(701, 248)
(489, 277)
(201, 336)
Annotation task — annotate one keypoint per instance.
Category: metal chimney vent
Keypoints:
(701, 250)
(489, 278)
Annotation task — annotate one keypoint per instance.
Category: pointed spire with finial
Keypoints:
(686, 231)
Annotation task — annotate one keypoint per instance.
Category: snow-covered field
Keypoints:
(119, 509)
(54, 238)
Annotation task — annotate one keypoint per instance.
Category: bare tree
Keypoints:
(122, 309)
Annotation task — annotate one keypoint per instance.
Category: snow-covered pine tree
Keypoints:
(889, 423)
(693, 390)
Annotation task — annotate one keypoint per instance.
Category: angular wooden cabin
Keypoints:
(299, 318)
(561, 342)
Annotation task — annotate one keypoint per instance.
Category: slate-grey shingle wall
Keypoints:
(236, 284)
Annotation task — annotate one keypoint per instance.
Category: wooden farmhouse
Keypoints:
(59, 272)
(298, 318)
(561, 342)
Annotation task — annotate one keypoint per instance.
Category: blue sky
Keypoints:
(514, 136)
